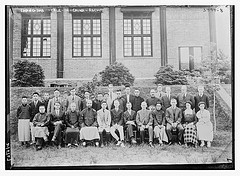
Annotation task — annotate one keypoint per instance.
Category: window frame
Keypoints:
(191, 60)
(134, 16)
(41, 36)
(91, 17)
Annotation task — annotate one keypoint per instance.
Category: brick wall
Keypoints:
(186, 27)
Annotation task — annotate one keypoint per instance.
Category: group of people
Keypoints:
(162, 118)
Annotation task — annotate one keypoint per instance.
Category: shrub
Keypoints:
(167, 76)
(116, 74)
(28, 74)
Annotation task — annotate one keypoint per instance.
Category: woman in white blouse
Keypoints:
(204, 125)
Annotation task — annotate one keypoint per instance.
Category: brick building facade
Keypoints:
(76, 42)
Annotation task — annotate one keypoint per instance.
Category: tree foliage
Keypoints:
(116, 74)
(28, 74)
(167, 76)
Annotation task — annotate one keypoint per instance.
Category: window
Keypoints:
(137, 35)
(190, 57)
(36, 37)
(87, 35)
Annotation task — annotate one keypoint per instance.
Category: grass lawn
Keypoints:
(51, 156)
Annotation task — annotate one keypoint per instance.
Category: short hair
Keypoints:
(24, 96)
(106, 93)
(41, 104)
(159, 102)
(72, 88)
(159, 84)
(56, 90)
(127, 85)
(110, 85)
(119, 90)
(57, 102)
(104, 102)
(189, 102)
(202, 102)
(128, 103)
(100, 93)
(173, 98)
(35, 93)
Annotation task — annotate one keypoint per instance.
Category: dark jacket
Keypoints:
(172, 117)
(136, 105)
(130, 117)
(72, 118)
(158, 117)
(23, 112)
(166, 102)
(41, 119)
(152, 101)
(88, 117)
(182, 99)
(34, 109)
(117, 117)
(198, 99)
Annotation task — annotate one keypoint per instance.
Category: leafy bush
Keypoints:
(116, 74)
(28, 74)
(90, 87)
(167, 76)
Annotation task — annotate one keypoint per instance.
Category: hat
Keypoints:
(189, 102)
(201, 102)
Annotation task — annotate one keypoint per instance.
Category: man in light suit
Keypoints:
(52, 101)
(183, 97)
(111, 96)
(128, 96)
(159, 93)
(74, 98)
(166, 98)
(104, 121)
(174, 118)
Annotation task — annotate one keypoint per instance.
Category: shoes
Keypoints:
(69, 145)
(122, 144)
(97, 144)
(133, 141)
(76, 145)
(38, 148)
(151, 145)
(118, 143)
(170, 143)
(84, 144)
(179, 143)
(59, 147)
(33, 143)
(202, 144)
(208, 144)
(102, 146)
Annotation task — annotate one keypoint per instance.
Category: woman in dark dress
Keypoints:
(189, 121)
(72, 122)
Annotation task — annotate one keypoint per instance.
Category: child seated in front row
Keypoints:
(23, 116)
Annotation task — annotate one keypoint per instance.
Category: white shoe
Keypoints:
(208, 144)
(202, 144)
(122, 144)
(69, 145)
(97, 144)
(118, 143)
(84, 144)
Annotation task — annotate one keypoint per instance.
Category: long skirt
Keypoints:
(71, 135)
(190, 134)
(24, 130)
(160, 132)
(89, 133)
(41, 132)
(205, 131)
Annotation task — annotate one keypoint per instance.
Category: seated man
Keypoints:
(88, 119)
(72, 119)
(144, 121)
(104, 120)
(158, 123)
(129, 119)
(117, 123)
(56, 124)
(174, 118)
(40, 123)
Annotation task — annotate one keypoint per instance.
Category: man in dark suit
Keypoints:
(166, 98)
(174, 118)
(152, 101)
(121, 100)
(56, 124)
(84, 101)
(183, 97)
(201, 97)
(128, 96)
(34, 109)
(73, 98)
(130, 122)
(97, 104)
(136, 105)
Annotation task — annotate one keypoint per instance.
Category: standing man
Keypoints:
(152, 101)
(89, 130)
(144, 121)
(34, 109)
(117, 123)
(74, 98)
(104, 121)
(166, 98)
(130, 122)
(45, 99)
(137, 100)
(201, 97)
(128, 96)
(174, 118)
(121, 100)
(159, 94)
(97, 105)
(84, 101)
(183, 97)
(111, 96)
(52, 101)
